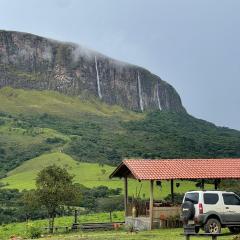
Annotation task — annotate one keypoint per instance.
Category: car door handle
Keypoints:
(227, 207)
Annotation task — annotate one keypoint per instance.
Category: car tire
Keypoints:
(234, 229)
(188, 211)
(212, 226)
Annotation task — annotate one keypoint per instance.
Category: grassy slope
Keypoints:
(88, 174)
(95, 132)
(21, 140)
(31, 102)
(101, 133)
(20, 144)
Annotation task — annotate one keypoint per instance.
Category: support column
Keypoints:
(172, 191)
(202, 185)
(151, 204)
(126, 195)
(216, 182)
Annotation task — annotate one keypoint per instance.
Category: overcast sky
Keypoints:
(192, 44)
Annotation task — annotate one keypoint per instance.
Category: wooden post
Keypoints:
(126, 196)
(75, 216)
(202, 185)
(172, 189)
(215, 184)
(151, 204)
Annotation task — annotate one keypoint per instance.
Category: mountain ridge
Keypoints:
(33, 62)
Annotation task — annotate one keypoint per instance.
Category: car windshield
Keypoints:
(192, 197)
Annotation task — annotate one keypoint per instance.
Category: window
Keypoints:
(210, 198)
(230, 199)
(192, 197)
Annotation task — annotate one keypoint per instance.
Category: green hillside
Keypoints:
(40, 125)
(88, 174)
(19, 101)
(29, 122)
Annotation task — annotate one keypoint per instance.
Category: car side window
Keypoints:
(192, 197)
(231, 199)
(210, 198)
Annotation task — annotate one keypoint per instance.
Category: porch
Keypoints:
(162, 217)
(151, 214)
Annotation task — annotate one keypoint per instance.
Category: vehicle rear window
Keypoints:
(231, 199)
(192, 197)
(210, 198)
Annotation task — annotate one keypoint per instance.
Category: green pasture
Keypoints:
(21, 230)
(88, 174)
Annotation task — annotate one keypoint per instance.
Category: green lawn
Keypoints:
(88, 174)
(20, 229)
(161, 234)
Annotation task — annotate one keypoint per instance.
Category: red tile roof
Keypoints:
(163, 169)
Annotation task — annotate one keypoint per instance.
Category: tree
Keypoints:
(110, 204)
(29, 202)
(55, 189)
(231, 185)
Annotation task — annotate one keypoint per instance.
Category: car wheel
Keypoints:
(212, 226)
(234, 229)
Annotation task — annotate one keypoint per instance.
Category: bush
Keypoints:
(2, 122)
(236, 237)
(54, 140)
(178, 197)
(34, 232)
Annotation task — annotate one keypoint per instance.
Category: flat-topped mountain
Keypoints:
(32, 62)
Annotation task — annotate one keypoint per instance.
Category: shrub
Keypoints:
(34, 232)
(54, 140)
(236, 237)
(178, 197)
(2, 122)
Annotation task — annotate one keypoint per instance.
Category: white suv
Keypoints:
(211, 210)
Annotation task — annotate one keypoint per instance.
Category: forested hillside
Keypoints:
(37, 122)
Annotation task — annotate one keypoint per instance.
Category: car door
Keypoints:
(232, 207)
(212, 203)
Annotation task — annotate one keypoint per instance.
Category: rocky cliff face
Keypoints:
(33, 62)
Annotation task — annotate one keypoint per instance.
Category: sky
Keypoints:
(192, 44)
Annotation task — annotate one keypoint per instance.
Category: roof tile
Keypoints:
(163, 169)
